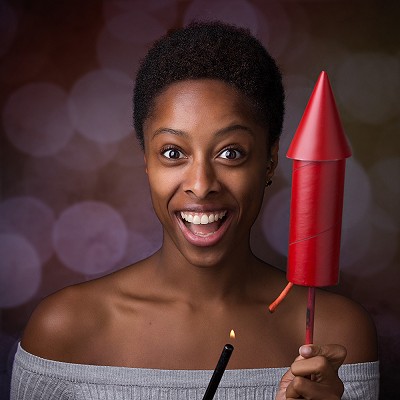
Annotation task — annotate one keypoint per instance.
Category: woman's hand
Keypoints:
(314, 374)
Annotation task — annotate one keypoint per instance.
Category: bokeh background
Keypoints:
(74, 198)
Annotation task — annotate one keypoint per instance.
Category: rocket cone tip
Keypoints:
(320, 135)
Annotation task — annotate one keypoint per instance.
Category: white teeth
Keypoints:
(203, 219)
(196, 220)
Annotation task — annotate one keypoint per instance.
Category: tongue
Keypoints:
(203, 230)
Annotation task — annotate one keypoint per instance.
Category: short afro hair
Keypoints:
(212, 50)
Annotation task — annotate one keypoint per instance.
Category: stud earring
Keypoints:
(268, 183)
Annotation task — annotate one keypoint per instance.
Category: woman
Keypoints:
(208, 110)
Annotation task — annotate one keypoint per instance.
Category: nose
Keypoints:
(201, 179)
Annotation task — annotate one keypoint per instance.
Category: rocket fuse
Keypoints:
(319, 150)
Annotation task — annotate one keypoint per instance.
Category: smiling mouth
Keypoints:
(203, 224)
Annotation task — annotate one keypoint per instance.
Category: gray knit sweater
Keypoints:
(36, 378)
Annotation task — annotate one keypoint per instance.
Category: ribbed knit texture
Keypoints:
(35, 378)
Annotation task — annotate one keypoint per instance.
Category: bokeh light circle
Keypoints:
(139, 247)
(36, 119)
(83, 154)
(357, 193)
(30, 218)
(100, 105)
(128, 189)
(50, 181)
(355, 243)
(20, 270)
(275, 221)
(90, 237)
(385, 175)
(368, 249)
(357, 232)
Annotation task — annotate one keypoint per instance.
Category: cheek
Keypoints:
(163, 184)
(158, 199)
(248, 186)
(256, 184)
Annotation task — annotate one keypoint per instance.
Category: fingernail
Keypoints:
(305, 351)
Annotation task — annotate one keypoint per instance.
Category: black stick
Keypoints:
(218, 372)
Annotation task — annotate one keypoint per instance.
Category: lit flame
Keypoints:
(232, 334)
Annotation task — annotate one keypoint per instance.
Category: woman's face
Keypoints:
(207, 162)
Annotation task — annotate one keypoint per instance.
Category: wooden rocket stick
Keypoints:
(310, 315)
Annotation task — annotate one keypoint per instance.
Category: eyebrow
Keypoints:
(232, 128)
(169, 130)
(220, 132)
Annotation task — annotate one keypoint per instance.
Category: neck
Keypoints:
(222, 281)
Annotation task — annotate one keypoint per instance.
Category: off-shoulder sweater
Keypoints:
(35, 378)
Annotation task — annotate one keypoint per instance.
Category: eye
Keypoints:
(172, 153)
(231, 154)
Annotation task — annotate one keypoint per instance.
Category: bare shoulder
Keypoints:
(59, 320)
(71, 324)
(343, 321)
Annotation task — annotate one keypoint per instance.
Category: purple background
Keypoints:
(74, 198)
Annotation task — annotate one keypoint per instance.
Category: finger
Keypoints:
(285, 381)
(297, 387)
(334, 353)
(319, 368)
(303, 388)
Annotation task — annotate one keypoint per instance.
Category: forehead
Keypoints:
(201, 98)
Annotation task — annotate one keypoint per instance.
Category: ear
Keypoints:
(273, 160)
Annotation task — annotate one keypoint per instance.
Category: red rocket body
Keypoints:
(319, 150)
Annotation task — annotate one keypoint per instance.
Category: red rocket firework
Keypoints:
(319, 150)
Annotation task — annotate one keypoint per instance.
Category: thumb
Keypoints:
(334, 353)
